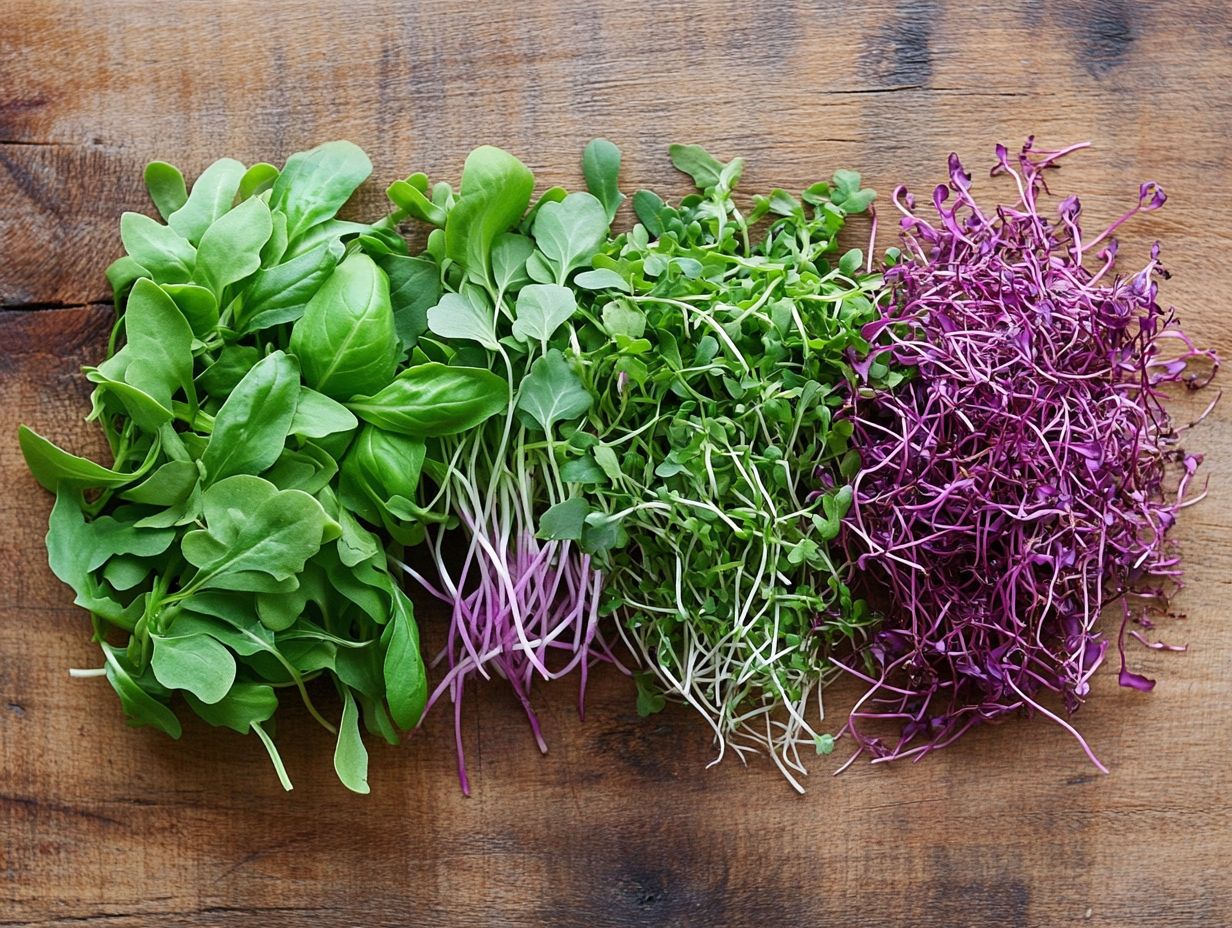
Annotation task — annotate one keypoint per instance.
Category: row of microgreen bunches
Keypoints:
(644, 440)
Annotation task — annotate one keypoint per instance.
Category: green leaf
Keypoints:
(603, 532)
(411, 200)
(230, 248)
(52, 466)
(316, 183)
(108, 536)
(159, 343)
(650, 698)
(406, 680)
(145, 411)
(356, 544)
(582, 470)
(198, 305)
(195, 663)
(601, 168)
(495, 192)
(168, 485)
(602, 279)
(228, 617)
(166, 186)
(211, 196)
(125, 571)
(431, 400)
(251, 428)
(698, 163)
(70, 544)
(383, 464)
(647, 205)
(309, 468)
(619, 318)
(510, 252)
(552, 392)
(350, 755)
(279, 611)
(256, 180)
(243, 705)
(850, 262)
(345, 342)
(140, 707)
(605, 457)
(281, 293)
(414, 286)
(122, 273)
(564, 521)
(316, 415)
(160, 249)
(541, 310)
(467, 316)
(255, 530)
(570, 232)
(234, 362)
(847, 193)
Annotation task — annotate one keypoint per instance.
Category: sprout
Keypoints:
(1029, 472)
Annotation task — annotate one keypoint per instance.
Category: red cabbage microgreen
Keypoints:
(1029, 472)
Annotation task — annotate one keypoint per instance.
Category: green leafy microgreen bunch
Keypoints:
(524, 596)
(720, 358)
(260, 433)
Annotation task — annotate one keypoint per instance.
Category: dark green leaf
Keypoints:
(346, 341)
(406, 680)
(281, 293)
(565, 520)
(430, 400)
(414, 286)
(601, 168)
(251, 428)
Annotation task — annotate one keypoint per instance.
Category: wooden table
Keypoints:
(622, 824)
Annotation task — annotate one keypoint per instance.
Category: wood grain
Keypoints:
(621, 824)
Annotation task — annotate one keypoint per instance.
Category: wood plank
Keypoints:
(621, 824)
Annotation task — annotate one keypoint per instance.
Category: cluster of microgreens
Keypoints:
(1028, 473)
(524, 596)
(681, 428)
(718, 355)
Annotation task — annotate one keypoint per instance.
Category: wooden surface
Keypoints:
(621, 824)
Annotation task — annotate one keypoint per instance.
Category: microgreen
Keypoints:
(718, 350)
(524, 597)
(1029, 472)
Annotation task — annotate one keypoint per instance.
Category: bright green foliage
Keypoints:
(719, 359)
(220, 542)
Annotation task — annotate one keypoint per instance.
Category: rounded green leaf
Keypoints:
(346, 342)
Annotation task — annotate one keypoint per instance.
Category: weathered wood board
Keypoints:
(621, 824)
